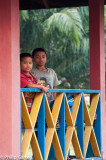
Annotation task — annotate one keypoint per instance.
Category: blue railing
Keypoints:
(80, 126)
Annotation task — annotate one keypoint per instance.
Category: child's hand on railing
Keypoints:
(45, 89)
(38, 82)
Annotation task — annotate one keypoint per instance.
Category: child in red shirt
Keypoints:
(28, 80)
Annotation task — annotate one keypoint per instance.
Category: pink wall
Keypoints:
(9, 78)
(9, 71)
(97, 58)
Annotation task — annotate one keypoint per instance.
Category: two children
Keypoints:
(28, 80)
(47, 78)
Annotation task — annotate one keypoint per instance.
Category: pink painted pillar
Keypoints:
(9, 79)
(97, 58)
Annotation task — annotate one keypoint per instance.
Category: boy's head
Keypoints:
(43, 81)
(48, 85)
(39, 57)
(26, 62)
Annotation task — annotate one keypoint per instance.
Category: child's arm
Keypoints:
(38, 81)
(31, 85)
(54, 94)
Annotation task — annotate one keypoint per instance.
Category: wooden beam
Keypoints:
(46, 4)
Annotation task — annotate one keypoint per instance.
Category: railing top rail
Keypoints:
(61, 90)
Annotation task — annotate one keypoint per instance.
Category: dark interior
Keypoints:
(42, 4)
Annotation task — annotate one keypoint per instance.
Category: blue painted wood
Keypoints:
(93, 158)
(21, 123)
(30, 90)
(51, 153)
(97, 125)
(41, 127)
(80, 125)
(35, 129)
(61, 130)
(89, 151)
(60, 90)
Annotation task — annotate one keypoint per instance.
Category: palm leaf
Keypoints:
(67, 22)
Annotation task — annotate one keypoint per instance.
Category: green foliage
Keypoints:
(66, 24)
(105, 15)
(64, 33)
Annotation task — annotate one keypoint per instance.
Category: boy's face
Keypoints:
(43, 83)
(40, 58)
(26, 64)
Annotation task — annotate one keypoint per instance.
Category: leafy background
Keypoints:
(64, 34)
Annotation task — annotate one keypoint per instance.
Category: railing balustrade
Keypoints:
(80, 130)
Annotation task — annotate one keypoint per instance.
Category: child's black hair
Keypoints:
(23, 55)
(37, 50)
(43, 79)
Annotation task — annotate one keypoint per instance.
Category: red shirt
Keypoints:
(25, 80)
